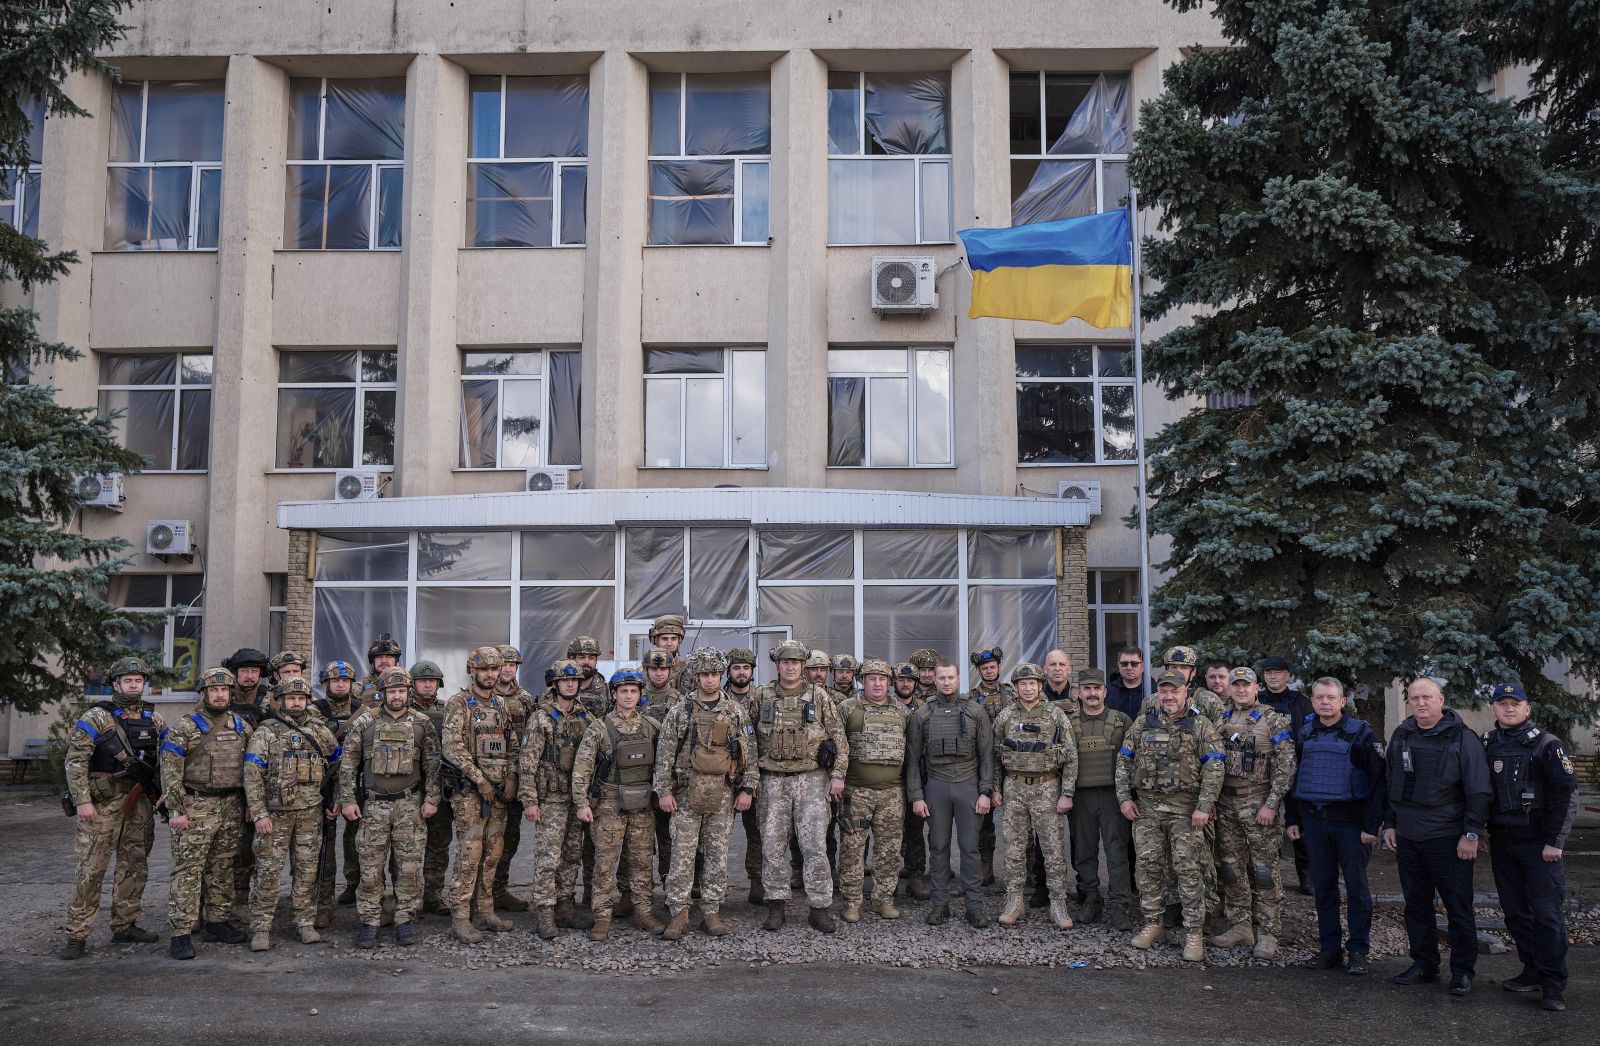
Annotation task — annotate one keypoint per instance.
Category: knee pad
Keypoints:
(1261, 875)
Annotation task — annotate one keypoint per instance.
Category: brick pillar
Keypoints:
(297, 622)
(1072, 595)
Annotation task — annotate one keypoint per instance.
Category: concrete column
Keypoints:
(612, 418)
(797, 348)
(427, 420)
(985, 362)
(254, 142)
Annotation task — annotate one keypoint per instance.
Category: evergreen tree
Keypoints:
(56, 627)
(1367, 238)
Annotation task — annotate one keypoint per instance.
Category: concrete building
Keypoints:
(450, 242)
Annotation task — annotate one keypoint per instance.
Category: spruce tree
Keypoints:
(56, 627)
(1367, 237)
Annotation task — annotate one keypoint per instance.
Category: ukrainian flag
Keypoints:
(1053, 271)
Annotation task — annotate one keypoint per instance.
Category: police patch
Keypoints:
(1566, 761)
(1499, 765)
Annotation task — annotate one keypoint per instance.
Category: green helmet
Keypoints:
(742, 655)
(126, 666)
(788, 650)
(845, 663)
(1027, 670)
(655, 657)
(285, 657)
(583, 645)
(877, 666)
(906, 670)
(925, 657)
(509, 655)
(426, 670)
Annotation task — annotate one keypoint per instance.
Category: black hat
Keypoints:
(245, 657)
(1274, 662)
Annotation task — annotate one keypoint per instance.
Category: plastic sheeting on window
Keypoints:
(452, 621)
(346, 619)
(521, 421)
(691, 202)
(145, 422)
(1065, 189)
(479, 424)
(330, 208)
(574, 205)
(719, 573)
(1026, 554)
(377, 427)
(909, 554)
(552, 616)
(821, 616)
(652, 571)
(847, 422)
(147, 208)
(183, 121)
(1021, 618)
(127, 114)
(806, 555)
(872, 201)
(305, 367)
(208, 223)
(366, 119)
(511, 205)
(546, 116)
(391, 206)
(755, 203)
(566, 401)
(728, 114)
(464, 556)
(569, 555)
(316, 428)
(897, 619)
(908, 113)
(120, 369)
(683, 361)
(374, 556)
(194, 430)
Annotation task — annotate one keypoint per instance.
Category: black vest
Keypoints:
(1516, 788)
(1425, 769)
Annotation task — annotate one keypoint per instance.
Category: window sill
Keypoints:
(890, 468)
(156, 250)
(541, 247)
(168, 472)
(1075, 464)
(511, 470)
(327, 472)
(680, 246)
(898, 246)
(704, 468)
(338, 250)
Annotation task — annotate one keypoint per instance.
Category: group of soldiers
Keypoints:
(834, 769)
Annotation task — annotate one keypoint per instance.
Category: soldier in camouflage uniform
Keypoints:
(741, 687)
(660, 694)
(111, 765)
(819, 670)
(804, 757)
(426, 679)
(611, 786)
(482, 754)
(704, 773)
(1184, 661)
(389, 782)
(994, 695)
(595, 697)
(666, 633)
(874, 793)
(382, 655)
(289, 757)
(285, 664)
(251, 699)
(842, 684)
(1039, 763)
(913, 843)
(1095, 820)
(925, 659)
(202, 758)
(1169, 773)
(549, 752)
(520, 705)
(337, 707)
(1258, 761)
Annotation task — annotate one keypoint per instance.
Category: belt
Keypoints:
(210, 793)
(391, 796)
(790, 773)
(1033, 779)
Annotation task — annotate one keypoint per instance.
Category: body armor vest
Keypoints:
(949, 735)
(216, 761)
(1516, 793)
(785, 726)
(1168, 759)
(1246, 749)
(300, 766)
(1425, 769)
(656, 702)
(392, 750)
(1325, 773)
(338, 716)
(435, 714)
(488, 736)
(1099, 737)
(633, 756)
(706, 737)
(143, 739)
(1027, 746)
(561, 748)
(876, 733)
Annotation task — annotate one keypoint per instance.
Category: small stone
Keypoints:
(994, 991)
(1208, 987)
(494, 1006)
(313, 1011)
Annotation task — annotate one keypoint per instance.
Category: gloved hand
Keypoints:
(486, 791)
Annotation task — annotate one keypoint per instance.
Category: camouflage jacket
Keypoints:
(353, 759)
(286, 764)
(825, 725)
(550, 751)
(478, 739)
(1018, 732)
(1258, 755)
(596, 742)
(182, 741)
(672, 749)
(95, 725)
(1170, 764)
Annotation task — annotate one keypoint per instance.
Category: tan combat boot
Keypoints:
(309, 935)
(713, 925)
(646, 920)
(1194, 947)
(507, 901)
(1266, 947)
(601, 930)
(1016, 907)
(492, 922)
(851, 912)
(1148, 936)
(565, 913)
(544, 922)
(1239, 935)
(260, 941)
(1059, 913)
(677, 927)
(917, 887)
(462, 927)
(886, 909)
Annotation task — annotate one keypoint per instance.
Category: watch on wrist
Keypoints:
(987, 793)
(1472, 837)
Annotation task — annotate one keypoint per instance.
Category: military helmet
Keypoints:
(906, 670)
(337, 670)
(627, 675)
(566, 668)
(216, 677)
(742, 655)
(876, 666)
(392, 677)
(707, 659)
(299, 685)
(655, 657)
(509, 655)
(126, 666)
(1181, 655)
(988, 653)
(845, 663)
(668, 625)
(819, 659)
(285, 657)
(583, 645)
(245, 657)
(1027, 670)
(788, 650)
(384, 644)
(925, 657)
(483, 657)
(426, 670)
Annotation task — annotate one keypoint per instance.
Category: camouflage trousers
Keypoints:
(295, 839)
(510, 844)
(880, 812)
(557, 852)
(390, 828)
(1167, 846)
(798, 801)
(129, 839)
(437, 856)
(1250, 859)
(1028, 810)
(703, 836)
(478, 842)
(202, 862)
(626, 839)
(661, 826)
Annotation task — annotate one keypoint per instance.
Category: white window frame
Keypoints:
(1100, 159)
(741, 161)
(374, 174)
(1098, 383)
(177, 388)
(169, 626)
(543, 378)
(1097, 611)
(726, 377)
(280, 611)
(18, 201)
(935, 159)
(910, 374)
(557, 165)
(196, 168)
(357, 435)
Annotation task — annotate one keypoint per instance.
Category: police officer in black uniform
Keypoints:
(1532, 802)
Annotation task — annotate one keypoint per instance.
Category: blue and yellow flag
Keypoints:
(1053, 271)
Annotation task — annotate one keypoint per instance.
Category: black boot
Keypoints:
(182, 947)
(367, 938)
(938, 915)
(225, 933)
(75, 948)
(135, 934)
(775, 915)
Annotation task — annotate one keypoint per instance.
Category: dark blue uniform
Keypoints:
(1532, 802)
(1296, 707)
(1338, 795)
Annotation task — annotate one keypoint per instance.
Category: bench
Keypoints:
(33, 751)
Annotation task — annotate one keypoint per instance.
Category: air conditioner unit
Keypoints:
(903, 285)
(1081, 490)
(355, 484)
(169, 537)
(543, 481)
(104, 491)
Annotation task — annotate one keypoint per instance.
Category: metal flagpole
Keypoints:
(1138, 441)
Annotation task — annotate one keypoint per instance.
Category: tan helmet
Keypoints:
(707, 659)
(788, 650)
(392, 677)
(925, 657)
(285, 657)
(483, 657)
(742, 655)
(509, 655)
(906, 670)
(845, 663)
(216, 677)
(655, 657)
(566, 668)
(819, 659)
(126, 666)
(1181, 655)
(583, 645)
(1027, 670)
(876, 666)
(668, 625)
(298, 685)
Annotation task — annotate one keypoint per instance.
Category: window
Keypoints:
(888, 408)
(1229, 400)
(277, 610)
(342, 195)
(19, 186)
(336, 409)
(705, 408)
(1069, 145)
(1113, 615)
(519, 409)
(1075, 405)
(164, 191)
(526, 173)
(176, 641)
(161, 406)
(888, 158)
(710, 153)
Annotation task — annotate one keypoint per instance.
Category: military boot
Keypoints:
(1091, 909)
(309, 935)
(821, 920)
(917, 886)
(1059, 914)
(677, 927)
(260, 941)
(601, 930)
(492, 922)
(182, 947)
(1148, 936)
(713, 925)
(405, 934)
(758, 893)
(462, 927)
(564, 912)
(1237, 936)
(224, 933)
(886, 909)
(1266, 948)
(544, 923)
(1121, 921)
(938, 915)
(506, 901)
(851, 912)
(1194, 947)
(367, 937)
(1016, 907)
(136, 934)
(646, 920)
(775, 915)
(624, 906)
(75, 948)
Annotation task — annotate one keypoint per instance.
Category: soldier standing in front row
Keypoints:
(549, 752)
(1095, 820)
(389, 782)
(337, 707)
(202, 758)
(1169, 773)
(913, 844)
(660, 695)
(111, 769)
(741, 687)
(426, 679)
(1039, 762)
(874, 793)
(482, 753)
(993, 695)
(520, 705)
